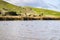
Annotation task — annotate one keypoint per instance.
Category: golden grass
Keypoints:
(28, 18)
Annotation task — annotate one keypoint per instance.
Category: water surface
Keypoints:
(29, 30)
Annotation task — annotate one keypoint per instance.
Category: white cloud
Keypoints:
(50, 4)
(21, 2)
(29, 1)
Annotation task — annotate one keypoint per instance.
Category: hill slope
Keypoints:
(8, 6)
(47, 12)
(32, 10)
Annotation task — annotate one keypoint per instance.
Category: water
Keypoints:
(29, 30)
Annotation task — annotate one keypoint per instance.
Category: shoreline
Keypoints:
(27, 18)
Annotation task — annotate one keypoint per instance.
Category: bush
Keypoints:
(11, 13)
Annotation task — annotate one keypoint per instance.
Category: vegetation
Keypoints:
(46, 12)
(7, 7)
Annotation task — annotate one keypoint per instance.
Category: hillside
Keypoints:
(47, 12)
(32, 10)
(8, 6)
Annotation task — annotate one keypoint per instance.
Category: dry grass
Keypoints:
(28, 18)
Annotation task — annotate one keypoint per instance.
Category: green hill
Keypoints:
(8, 6)
(47, 12)
(32, 10)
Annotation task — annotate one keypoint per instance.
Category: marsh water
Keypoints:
(30, 30)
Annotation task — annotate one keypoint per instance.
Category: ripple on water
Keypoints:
(29, 30)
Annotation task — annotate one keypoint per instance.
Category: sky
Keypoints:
(49, 4)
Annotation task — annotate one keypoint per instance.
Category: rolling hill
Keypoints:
(20, 9)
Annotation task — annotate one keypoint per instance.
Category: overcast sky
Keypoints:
(50, 4)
